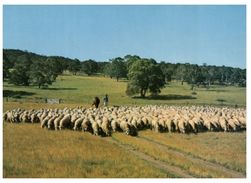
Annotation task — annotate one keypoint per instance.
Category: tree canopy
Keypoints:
(89, 67)
(22, 68)
(145, 75)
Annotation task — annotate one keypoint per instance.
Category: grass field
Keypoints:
(29, 151)
(204, 146)
(216, 147)
(81, 90)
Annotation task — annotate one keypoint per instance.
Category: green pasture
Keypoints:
(81, 89)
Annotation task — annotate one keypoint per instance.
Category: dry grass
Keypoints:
(228, 149)
(195, 169)
(30, 151)
(30, 105)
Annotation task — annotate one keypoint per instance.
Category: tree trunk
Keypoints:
(221, 78)
(142, 93)
(192, 87)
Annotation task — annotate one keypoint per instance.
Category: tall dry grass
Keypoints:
(228, 149)
(193, 168)
(29, 151)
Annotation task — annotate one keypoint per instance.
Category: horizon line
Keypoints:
(158, 61)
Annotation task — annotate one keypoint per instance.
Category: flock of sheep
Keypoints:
(104, 121)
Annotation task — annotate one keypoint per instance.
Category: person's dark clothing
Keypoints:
(105, 100)
(96, 102)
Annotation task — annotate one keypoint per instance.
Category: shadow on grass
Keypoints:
(167, 97)
(59, 88)
(16, 94)
(215, 90)
(123, 80)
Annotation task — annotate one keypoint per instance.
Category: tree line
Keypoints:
(144, 74)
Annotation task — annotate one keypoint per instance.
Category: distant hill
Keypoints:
(191, 73)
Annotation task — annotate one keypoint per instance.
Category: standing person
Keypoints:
(105, 100)
(96, 102)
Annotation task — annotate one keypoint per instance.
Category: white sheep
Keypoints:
(51, 122)
(115, 125)
(34, 118)
(155, 125)
(57, 121)
(106, 126)
(95, 128)
(78, 123)
(125, 127)
(65, 121)
(44, 122)
(223, 123)
(184, 119)
(86, 125)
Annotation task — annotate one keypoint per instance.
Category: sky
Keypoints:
(211, 34)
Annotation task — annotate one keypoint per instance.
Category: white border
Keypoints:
(178, 2)
(133, 2)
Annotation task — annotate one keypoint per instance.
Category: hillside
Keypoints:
(81, 89)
